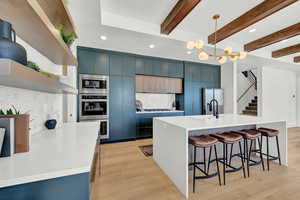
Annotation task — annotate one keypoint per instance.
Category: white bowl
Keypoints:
(2, 133)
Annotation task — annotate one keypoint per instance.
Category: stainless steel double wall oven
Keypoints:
(94, 100)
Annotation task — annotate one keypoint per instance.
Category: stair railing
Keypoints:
(253, 80)
(245, 92)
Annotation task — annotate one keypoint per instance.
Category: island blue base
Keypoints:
(75, 187)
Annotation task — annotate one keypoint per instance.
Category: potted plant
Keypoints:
(35, 67)
(68, 38)
(174, 105)
(21, 128)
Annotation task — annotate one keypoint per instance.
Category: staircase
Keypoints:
(251, 109)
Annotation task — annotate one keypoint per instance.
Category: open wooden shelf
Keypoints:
(13, 74)
(35, 21)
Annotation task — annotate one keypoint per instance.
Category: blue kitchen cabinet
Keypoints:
(210, 74)
(144, 122)
(198, 76)
(86, 61)
(188, 95)
(91, 61)
(128, 108)
(129, 66)
(122, 124)
(121, 65)
(144, 66)
(175, 69)
(156, 67)
(102, 64)
(115, 108)
(116, 64)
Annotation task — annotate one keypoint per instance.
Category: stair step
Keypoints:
(253, 104)
(251, 108)
(254, 100)
(255, 97)
(250, 112)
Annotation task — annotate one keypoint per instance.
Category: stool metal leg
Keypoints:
(226, 149)
(224, 163)
(217, 161)
(261, 155)
(249, 156)
(209, 157)
(278, 150)
(204, 159)
(230, 158)
(268, 161)
(194, 172)
(240, 145)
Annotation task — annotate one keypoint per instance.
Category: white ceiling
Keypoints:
(131, 25)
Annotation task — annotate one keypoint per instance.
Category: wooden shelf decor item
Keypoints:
(13, 74)
(35, 22)
(21, 132)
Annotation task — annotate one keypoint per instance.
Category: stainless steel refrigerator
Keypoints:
(209, 94)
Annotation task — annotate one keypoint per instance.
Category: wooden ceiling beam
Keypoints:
(177, 14)
(278, 36)
(286, 51)
(259, 12)
(297, 59)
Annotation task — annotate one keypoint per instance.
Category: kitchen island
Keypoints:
(58, 165)
(170, 140)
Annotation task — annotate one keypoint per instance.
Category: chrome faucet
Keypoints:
(212, 107)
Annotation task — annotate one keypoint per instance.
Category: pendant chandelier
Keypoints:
(221, 58)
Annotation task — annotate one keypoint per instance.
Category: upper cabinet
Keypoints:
(122, 65)
(202, 73)
(159, 67)
(92, 62)
(35, 22)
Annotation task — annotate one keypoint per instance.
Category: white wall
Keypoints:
(229, 84)
(279, 94)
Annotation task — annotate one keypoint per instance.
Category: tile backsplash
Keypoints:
(156, 101)
(41, 106)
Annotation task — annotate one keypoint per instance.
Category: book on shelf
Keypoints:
(8, 147)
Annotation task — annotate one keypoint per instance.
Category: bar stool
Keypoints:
(251, 135)
(230, 138)
(204, 141)
(269, 133)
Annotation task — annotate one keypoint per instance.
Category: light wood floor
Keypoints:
(128, 175)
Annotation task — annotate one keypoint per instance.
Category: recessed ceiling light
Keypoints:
(189, 52)
(252, 30)
(151, 46)
(103, 37)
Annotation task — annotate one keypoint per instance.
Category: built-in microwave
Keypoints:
(93, 83)
(93, 106)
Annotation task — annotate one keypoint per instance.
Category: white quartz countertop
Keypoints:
(55, 153)
(165, 111)
(201, 122)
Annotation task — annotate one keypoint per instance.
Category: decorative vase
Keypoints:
(51, 124)
(8, 46)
